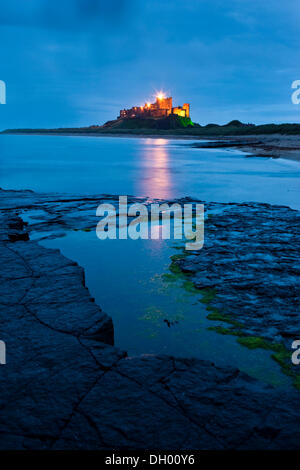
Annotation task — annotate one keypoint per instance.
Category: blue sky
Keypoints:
(77, 62)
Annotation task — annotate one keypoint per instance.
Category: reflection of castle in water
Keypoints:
(155, 179)
(161, 108)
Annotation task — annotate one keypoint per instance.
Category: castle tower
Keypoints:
(165, 104)
(186, 106)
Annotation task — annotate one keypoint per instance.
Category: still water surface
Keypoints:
(162, 168)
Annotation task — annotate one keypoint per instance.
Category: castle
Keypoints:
(161, 108)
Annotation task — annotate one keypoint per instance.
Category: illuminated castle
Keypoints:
(161, 108)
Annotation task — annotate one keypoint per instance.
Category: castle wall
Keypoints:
(179, 111)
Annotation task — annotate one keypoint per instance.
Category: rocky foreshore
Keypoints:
(250, 269)
(66, 386)
(271, 146)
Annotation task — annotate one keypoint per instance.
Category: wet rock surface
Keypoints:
(251, 261)
(65, 386)
(57, 212)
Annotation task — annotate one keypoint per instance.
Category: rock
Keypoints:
(250, 259)
(65, 386)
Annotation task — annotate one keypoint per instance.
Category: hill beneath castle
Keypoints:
(170, 122)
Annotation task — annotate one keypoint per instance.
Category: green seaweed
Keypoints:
(225, 331)
(283, 360)
(177, 257)
(254, 342)
(207, 295)
(169, 277)
(296, 382)
(189, 286)
(215, 315)
(280, 353)
(174, 267)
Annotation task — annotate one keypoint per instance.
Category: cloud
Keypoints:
(66, 14)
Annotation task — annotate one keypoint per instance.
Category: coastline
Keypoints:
(260, 145)
(275, 146)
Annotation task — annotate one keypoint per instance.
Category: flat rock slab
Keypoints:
(65, 386)
(250, 259)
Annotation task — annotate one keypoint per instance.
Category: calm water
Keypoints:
(127, 278)
(144, 167)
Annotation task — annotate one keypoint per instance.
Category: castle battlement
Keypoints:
(162, 107)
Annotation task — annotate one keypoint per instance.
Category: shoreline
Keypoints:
(260, 145)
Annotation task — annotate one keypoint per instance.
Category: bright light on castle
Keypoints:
(160, 95)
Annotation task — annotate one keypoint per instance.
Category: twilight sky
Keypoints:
(77, 62)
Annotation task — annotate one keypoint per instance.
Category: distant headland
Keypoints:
(162, 118)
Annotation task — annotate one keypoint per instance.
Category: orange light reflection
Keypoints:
(155, 179)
